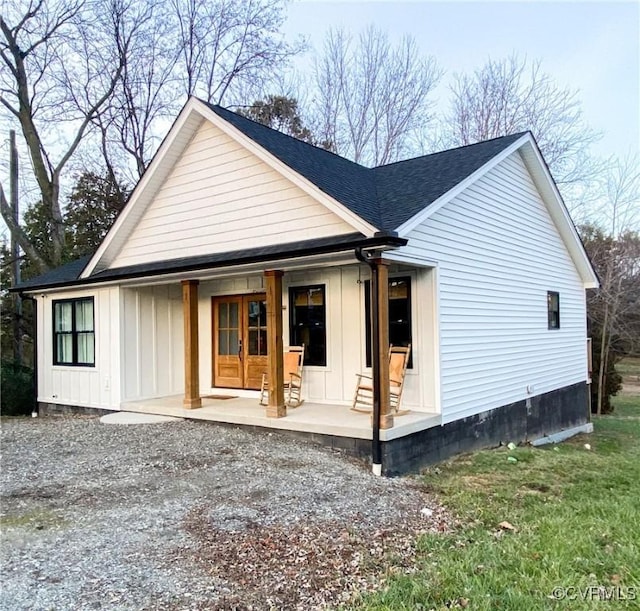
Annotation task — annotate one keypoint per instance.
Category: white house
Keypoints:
(234, 224)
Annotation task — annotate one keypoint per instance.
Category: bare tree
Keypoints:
(144, 94)
(372, 97)
(62, 63)
(228, 46)
(513, 95)
(215, 50)
(619, 195)
(614, 309)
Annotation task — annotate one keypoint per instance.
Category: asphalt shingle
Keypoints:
(59, 275)
(385, 196)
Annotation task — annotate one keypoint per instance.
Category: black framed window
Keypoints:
(399, 315)
(73, 332)
(307, 322)
(553, 309)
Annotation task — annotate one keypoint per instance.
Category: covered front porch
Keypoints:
(197, 345)
(310, 418)
(248, 339)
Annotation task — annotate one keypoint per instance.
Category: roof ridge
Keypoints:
(262, 125)
(449, 150)
(383, 196)
(348, 182)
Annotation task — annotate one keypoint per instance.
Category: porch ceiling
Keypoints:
(321, 418)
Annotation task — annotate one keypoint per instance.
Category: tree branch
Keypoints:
(19, 234)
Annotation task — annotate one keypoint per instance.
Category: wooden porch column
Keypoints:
(386, 418)
(276, 407)
(191, 361)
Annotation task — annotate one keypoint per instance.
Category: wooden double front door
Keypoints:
(239, 340)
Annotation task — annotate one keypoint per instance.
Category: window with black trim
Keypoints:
(307, 322)
(73, 332)
(553, 309)
(399, 315)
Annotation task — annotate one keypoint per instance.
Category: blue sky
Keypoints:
(593, 47)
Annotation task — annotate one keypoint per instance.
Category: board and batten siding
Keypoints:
(97, 386)
(498, 253)
(333, 383)
(221, 197)
(345, 328)
(153, 342)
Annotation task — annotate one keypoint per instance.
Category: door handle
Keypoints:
(240, 349)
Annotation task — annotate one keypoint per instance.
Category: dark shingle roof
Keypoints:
(68, 275)
(407, 187)
(58, 276)
(385, 196)
(349, 183)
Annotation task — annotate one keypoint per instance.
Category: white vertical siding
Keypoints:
(498, 254)
(345, 327)
(153, 342)
(220, 197)
(343, 310)
(97, 386)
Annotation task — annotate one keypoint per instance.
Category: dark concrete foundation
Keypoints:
(522, 421)
(57, 409)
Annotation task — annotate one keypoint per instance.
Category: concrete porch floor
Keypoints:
(320, 418)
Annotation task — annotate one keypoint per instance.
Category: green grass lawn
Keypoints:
(575, 514)
(629, 367)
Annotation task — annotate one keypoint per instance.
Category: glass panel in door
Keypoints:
(255, 308)
(228, 368)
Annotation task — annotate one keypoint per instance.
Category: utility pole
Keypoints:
(15, 249)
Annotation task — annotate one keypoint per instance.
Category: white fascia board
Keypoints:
(397, 256)
(550, 195)
(408, 226)
(548, 189)
(156, 164)
(347, 215)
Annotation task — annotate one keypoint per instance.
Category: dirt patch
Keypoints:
(303, 566)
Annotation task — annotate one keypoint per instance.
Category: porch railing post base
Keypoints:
(275, 411)
(192, 403)
(386, 421)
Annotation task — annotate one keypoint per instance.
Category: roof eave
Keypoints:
(382, 240)
(542, 177)
(169, 147)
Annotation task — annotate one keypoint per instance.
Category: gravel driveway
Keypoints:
(190, 515)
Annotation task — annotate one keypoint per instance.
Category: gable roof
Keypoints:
(349, 183)
(385, 196)
(406, 187)
(388, 199)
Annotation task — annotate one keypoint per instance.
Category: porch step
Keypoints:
(136, 418)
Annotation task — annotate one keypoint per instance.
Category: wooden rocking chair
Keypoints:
(363, 397)
(293, 363)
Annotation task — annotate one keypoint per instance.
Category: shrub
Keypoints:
(612, 379)
(17, 390)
